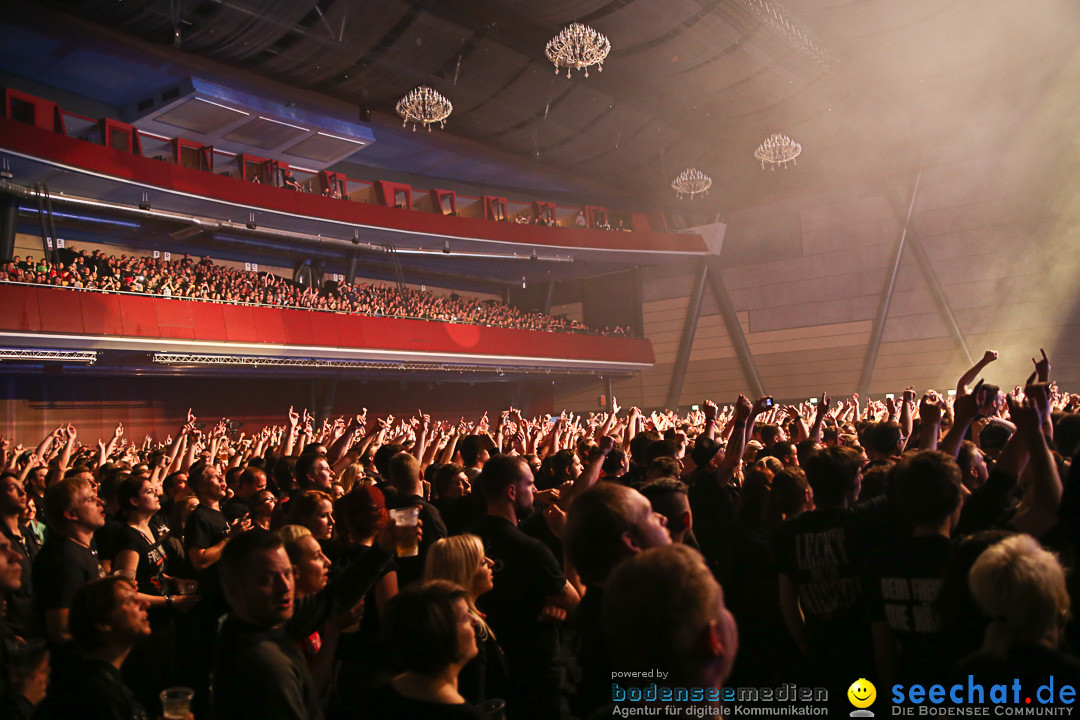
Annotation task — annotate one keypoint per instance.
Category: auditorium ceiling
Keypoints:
(868, 87)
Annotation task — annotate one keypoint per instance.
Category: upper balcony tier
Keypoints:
(116, 173)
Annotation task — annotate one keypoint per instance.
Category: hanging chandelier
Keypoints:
(778, 149)
(690, 183)
(424, 106)
(578, 46)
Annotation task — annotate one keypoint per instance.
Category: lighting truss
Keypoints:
(165, 358)
(82, 356)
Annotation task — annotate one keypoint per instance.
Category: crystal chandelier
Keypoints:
(691, 182)
(578, 46)
(424, 106)
(778, 149)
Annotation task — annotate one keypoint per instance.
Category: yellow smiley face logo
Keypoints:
(862, 693)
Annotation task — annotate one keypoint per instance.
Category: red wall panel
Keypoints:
(297, 327)
(54, 310)
(20, 308)
(139, 316)
(62, 313)
(174, 319)
(352, 331)
(239, 323)
(324, 328)
(208, 320)
(270, 327)
(101, 314)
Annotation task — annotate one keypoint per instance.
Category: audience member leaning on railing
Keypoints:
(842, 535)
(204, 280)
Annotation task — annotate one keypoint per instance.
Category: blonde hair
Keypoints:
(291, 535)
(352, 475)
(457, 558)
(1021, 588)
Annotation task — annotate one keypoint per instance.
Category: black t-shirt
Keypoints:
(590, 652)
(362, 648)
(205, 528)
(110, 538)
(484, 677)
(61, 568)
(821, 552)
(534, 657)
(460, 513)
(234, 508)
(388, 704)
(260, 673)
(713, 503)
(903, 585)
(95, 691)
(149, 574)
(991, 506)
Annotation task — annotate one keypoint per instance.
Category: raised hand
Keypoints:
(709, 410)
(743, 408)
(1038, 397)
(1042, 367)
(762, 404)
(931, 407)
(970, 404)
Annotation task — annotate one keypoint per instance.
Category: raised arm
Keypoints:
(819, 417)
(907, 412)
(966, 408)
(341, 443)
(737, 441)
(973, 372)
(69, 446)
(42, 450)
(930, 410)
(1039, 507)
(609, 423)
(422, 436)
(292, 431)
(106, 451)
(709, 410)
(802, 429)
(591, 473)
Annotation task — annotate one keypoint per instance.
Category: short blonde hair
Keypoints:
(291, 535)
(1021, 588)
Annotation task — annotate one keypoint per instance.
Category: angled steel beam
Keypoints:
(937, 292)
(734, 329)
(686, 342)
(878, 331)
